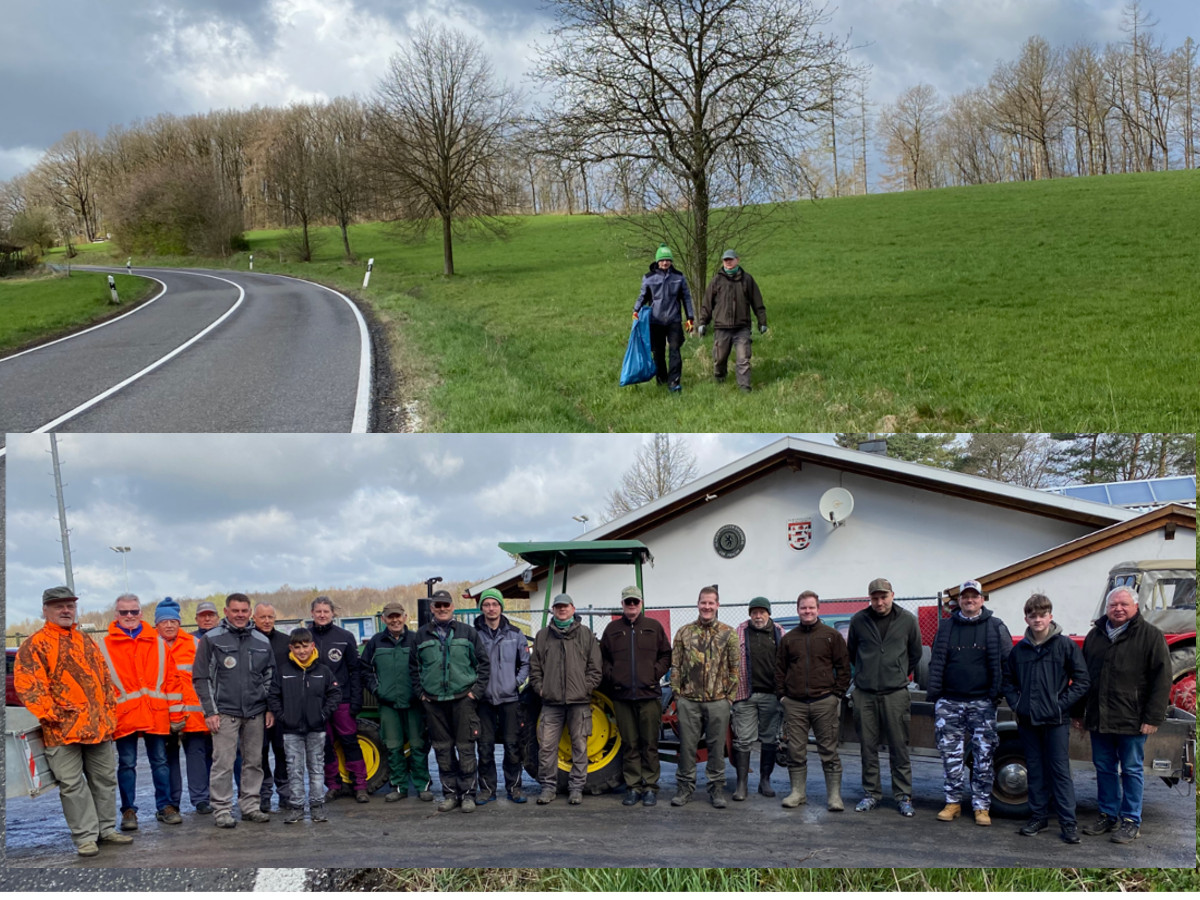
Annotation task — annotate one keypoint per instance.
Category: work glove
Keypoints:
(700, 330)
(689, 325)
(762, 329)
(177, 727)
(635, 317)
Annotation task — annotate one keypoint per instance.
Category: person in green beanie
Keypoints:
(731, 297)
(665, 290)
(508, 651)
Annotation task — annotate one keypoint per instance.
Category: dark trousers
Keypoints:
(498, 719)
(156, 752)
(1048, 764)
(273, 743)
(197, 752)
(880, 719)
(454, 729)
(671, 336)
(739, 339)
(638, 722)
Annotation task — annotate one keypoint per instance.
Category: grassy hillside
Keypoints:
(1004, 307)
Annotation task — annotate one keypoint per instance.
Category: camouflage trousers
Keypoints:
(956, 722)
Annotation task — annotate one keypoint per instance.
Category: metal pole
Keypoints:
(62, 512)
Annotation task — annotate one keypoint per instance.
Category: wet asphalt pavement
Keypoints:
(755, 833)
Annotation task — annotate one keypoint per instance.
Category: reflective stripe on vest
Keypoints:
(122, 695)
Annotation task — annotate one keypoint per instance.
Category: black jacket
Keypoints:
(997, 641)
(339, 651)
(634, 658)
(1042, 682)
(232, 671)
(882, 665)
(279, 646)
(302, 700)
(1131, 678)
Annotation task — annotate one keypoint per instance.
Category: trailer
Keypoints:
(26, 772)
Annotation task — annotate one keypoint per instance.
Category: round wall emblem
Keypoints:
(229, 662)
(729, 541)
(335, 654)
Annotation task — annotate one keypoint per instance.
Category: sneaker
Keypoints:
(575, 798)
(1033, 826)
(631, 797)
(1070, 834)
(87, 848)
(674, 388)
(225, 819)
(484, 799)
(317, 813)
(129, 820)
(204, 809)
(450, 802)
(983, 817)
(516, 795)
(169, 815)
(395, 794)
(866, 804)
(1127, 831)
(905, 808)
(425, 794)
(468, 804)
(362, 797)
(115, 837)
(294, 815)
(650, 798)
(255, 815)
(1102, 825)
(681, 799)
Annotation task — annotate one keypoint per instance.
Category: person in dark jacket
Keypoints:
(387, 664)
(756, 712)
(812, 675)
(264, 621)
(1130, 670)
(339, 650)
(450, 672)
(564, 670)
(966, 679)
(884, 643)
(664, 290)
(1044, 677)
(304, 694)
(232, 675)
(508, 656)
(635, 654)
(731, 297)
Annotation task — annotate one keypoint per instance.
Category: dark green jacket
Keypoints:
(386, 660)
(565, 666)
(450, 669)
(882, 665)
(1131, 678)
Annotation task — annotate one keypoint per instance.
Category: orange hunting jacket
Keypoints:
(182, 653)
(61, 677)
(147, 683)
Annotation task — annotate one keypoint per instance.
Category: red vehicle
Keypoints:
(10, 693)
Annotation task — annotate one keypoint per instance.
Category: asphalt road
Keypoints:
(601, 832)
(215, 351)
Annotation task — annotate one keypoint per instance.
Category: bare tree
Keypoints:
(712, 100)
(1022, 459)
(340, 133)
(289, 151)
(439, 124)
(1029, 102)
(908, 126)
(68, 174)
(661, 466)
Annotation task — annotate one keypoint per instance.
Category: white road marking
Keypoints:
(281, 880)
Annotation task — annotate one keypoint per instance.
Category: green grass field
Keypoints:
(1001, 307)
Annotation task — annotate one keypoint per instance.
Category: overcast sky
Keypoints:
(82, 64)
(222, 513)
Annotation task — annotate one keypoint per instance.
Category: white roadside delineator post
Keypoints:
(367, 277)
(112, 287)
(251, 262)
(129, 265)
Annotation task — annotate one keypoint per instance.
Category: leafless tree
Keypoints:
(439, 123)
(661, 466)
(1022, 459)
(289, 153)
(1028, 102)
(710, 100)
(340, 134)
(908, 126)
(68, 174)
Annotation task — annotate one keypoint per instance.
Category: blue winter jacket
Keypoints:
(508, 653)
(663, 292)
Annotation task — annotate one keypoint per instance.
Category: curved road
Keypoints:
(212, 352)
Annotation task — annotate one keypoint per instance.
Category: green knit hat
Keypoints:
(492, 594)
(664, 252)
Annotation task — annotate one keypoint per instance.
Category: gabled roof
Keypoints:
(794, 453)
(1170, 517)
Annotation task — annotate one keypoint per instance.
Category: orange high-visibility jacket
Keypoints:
(182, 653)
(147, 683)
(61, 677)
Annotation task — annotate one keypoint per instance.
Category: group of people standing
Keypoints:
(239, 691)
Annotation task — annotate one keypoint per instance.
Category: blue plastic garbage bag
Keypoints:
(639, 361)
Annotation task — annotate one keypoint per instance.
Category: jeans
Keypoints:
(1048, 764)
(305, 754)
(1119, 796)
(156, 752)
(197, 751)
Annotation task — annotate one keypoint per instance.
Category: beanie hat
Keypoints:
(761, 603)
(167, 609)
(492, 594)
(664, 252)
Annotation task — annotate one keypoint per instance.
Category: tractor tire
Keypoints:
(604, 749)
(1010, 785)
(1183, 679)
(370, 741)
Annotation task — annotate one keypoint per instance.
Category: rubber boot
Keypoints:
(798, 795)
(741, 763)
(767, 759)
(833, 791)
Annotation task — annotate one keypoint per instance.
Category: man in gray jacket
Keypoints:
(885, 648)
(564, 670)
(232, 675)
(508, 652)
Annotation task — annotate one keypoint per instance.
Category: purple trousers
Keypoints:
(341, 725)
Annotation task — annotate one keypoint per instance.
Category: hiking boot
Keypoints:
(741, 765)
(225, 819)
(1127, 831)
(1102, 825)
(115, 837)
(169, 815)
(484, 799)
(546, 796)
(129, 820)
(1069, 834)
(204, 808)
(316, 812)
(983, 817)
(950, 812)
(575, 798)
(362, 797)
(87, 848)
(866, 804)
(650, 798)
(448, 803)
(395, 794)
(255, 815)
(766, 760)
(468, 804)
(681, 798)
(833, 792)
(799, 795)
(1033, 826)
(425, 794)
(294, 815)
(718, 799)
(905, 808)
(333, 793)
(631, 797)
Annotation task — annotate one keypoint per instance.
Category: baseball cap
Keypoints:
(971, 585)
(393, 606)
(563, 600)
(441, 597)
(729, 254)
(206, 606)
(879, 584)
(631, 593)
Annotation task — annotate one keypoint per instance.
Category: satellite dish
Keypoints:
(836, 506)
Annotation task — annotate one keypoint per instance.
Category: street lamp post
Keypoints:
(124, 564)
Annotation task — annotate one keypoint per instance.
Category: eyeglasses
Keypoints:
(631, 601)
(441, 606)
(129, 612)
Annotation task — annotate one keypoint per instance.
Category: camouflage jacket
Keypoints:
(704, 662)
